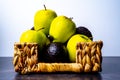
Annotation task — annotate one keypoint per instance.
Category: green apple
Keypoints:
(34, 36)
(43, 19)
(71, 45)
(62, 28)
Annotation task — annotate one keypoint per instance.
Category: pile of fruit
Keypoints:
(56, 36)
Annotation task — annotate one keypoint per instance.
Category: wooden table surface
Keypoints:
(110, 71)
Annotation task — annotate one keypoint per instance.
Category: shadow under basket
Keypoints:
(88, 59)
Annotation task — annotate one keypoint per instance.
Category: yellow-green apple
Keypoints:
(71, 45)
(43, 19)
(33, 36)
(62, 28)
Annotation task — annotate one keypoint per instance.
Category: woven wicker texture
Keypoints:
(89, 55)
(88, 59)
(25, 56)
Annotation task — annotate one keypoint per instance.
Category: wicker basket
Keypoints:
(88, 59)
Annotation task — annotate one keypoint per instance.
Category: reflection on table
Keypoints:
(59, 76)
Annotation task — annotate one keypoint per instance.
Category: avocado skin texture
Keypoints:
(55, 52)
(85, 31)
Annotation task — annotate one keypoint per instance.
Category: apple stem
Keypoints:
(45, 7)
(71, 18)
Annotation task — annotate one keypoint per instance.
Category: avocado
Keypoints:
(85, 31)
(55, 52)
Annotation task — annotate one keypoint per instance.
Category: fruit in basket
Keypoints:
(43, 19)
(62, 28)
(71, 45)
(85, 31)
(55, 52)
(34, 36)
